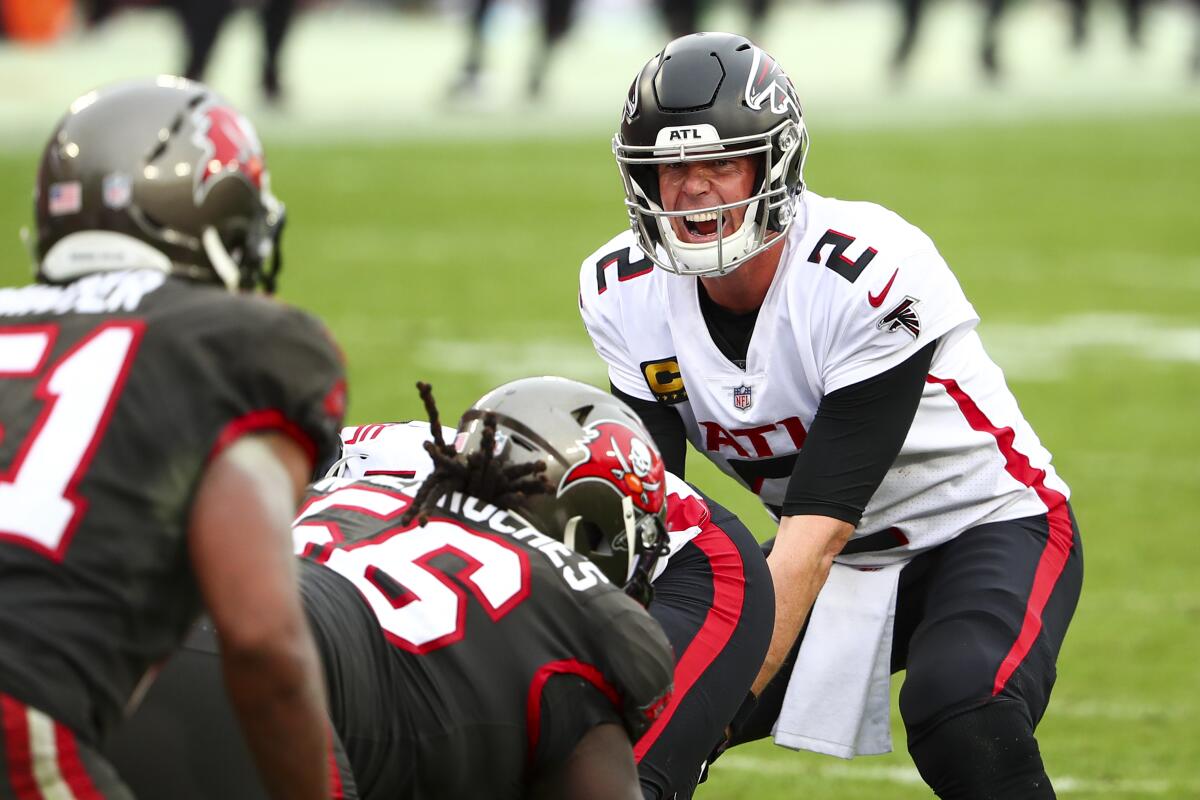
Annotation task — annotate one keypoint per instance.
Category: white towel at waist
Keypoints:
(838, 697)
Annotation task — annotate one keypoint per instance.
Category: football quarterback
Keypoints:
(821, 353)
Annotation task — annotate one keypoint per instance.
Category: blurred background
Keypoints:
(446, 171)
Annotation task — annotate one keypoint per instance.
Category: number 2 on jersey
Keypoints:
(39, 507)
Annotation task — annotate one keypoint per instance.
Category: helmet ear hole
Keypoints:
(585, 538)
(582, 413)
(593, 538)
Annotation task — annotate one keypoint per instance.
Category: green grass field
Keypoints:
(1077, 241)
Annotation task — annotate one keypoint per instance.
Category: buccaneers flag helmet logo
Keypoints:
(228, 145)
(616, 455)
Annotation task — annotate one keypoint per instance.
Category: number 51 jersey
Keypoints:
(116, 391)
(466, 655)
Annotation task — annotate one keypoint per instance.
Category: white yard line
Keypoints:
(908, 776)
(505, 361)
(1043, 351)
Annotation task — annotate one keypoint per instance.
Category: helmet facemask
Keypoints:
(780, 152)
(635, 570)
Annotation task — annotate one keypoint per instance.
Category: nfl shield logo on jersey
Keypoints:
(741, 397)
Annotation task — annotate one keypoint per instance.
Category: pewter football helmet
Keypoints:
(158, 173)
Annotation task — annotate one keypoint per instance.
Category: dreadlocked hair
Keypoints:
(480, 474)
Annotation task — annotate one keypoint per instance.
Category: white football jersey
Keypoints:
(858, 291)
(396, 449)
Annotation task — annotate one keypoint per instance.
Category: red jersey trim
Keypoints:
(1058, 544)
(18, 760)
(266, 419)
(336, 790)
(533, 705)
(71, 767)
(729, 590)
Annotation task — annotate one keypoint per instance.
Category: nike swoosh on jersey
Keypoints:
(876, 300)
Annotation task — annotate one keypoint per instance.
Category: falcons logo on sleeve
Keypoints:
(902, 318)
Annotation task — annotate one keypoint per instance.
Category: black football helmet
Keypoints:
(711, 96)
(607, 498)
(158, 173)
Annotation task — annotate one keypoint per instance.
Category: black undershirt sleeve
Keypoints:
(665, 426)
(856, 435)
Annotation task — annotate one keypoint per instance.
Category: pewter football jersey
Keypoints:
(858, 291)
(116, 392)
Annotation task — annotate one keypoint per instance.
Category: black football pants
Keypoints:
(717, 607)
(979, 624)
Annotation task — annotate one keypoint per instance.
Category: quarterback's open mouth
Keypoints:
(702, 227)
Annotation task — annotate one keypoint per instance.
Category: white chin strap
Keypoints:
(569, 534)
(630, 533)
(220, 259)
(719, 256)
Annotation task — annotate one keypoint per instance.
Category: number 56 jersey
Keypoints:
(466, 655)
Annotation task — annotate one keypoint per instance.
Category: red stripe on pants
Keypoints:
(729, 589)
(71, 766)
(1058, 545)
(17, 757)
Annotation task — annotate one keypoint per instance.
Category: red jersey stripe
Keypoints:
(336, 790)
(533, 704)
(263, 420)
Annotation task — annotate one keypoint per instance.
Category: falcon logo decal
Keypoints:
(902, 318)
(768, 84)
(228, 145)
(631, 102)
(616, 455)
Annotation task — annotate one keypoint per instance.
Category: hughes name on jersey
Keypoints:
(116, 390)
(858, 291)
(465, 655)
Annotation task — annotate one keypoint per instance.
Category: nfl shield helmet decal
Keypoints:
(742, 397)
(117, 190)
(616, 455)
